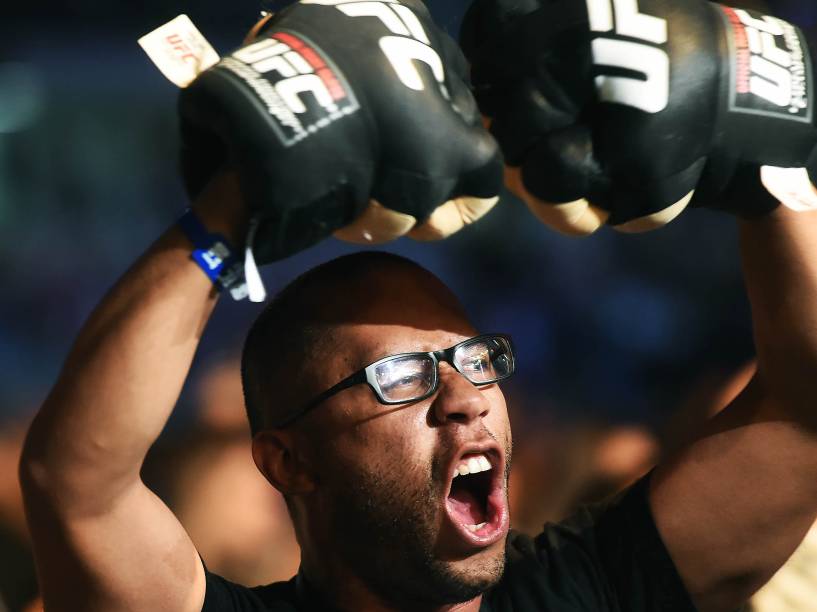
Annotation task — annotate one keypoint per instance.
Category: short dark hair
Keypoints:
(294, 328)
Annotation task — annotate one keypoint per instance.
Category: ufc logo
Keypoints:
(181, 48)
(648, 57)
(770, 65)
(296, 75)
(409, 42)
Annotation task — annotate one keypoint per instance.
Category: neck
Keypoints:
(349, 593)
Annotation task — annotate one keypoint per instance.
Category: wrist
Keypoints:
(221, 210)
(220, 261)
(218, 226)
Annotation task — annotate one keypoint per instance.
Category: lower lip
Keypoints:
(496, 527)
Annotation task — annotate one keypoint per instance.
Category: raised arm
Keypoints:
(736, 503)
(625, 113)
(308, 124)
(102, 540)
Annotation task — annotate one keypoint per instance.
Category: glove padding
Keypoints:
(625, 112)
(351, 118)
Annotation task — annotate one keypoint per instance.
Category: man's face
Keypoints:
(386, 486)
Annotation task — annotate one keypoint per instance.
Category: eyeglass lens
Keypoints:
(484, 361)
(405, 378)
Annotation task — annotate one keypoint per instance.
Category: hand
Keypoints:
(343, 117)
(624, 111)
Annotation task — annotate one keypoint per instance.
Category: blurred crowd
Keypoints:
(625, 344)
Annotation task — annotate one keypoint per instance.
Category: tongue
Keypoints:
(465, 508)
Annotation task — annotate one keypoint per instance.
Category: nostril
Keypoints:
(459, 417)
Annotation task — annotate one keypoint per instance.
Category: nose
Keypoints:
(458, 400)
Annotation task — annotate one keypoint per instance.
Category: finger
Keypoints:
(413, 192)
(453, 56)
(486, 20)
(453, 216)
(407, 197)
(523, 119)
(475, 194)
(377, 225)
(462, 100)
(557, 174)
(656, 220)
(561, 167)
(481, 177)
(575, 218)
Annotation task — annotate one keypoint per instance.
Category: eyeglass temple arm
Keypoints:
(354, 379)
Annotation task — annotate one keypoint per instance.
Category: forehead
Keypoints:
(366, 343)
(408, 329)
(393, 311)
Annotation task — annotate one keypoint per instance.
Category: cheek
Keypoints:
(498, 422)
(497, 419)
(394, 443)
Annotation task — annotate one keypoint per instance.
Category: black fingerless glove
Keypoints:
(624, 112)
(337, 110)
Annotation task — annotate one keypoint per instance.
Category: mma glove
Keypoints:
(624, 112)
(352, 118)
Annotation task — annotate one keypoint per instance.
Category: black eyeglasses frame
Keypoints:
(367, 375)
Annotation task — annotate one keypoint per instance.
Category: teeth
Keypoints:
(476, 528)
(472, 465)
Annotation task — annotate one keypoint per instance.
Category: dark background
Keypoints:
(615, 327)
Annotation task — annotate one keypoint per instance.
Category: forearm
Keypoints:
(122, 379)
(780, 266)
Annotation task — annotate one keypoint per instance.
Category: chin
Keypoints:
(444, 582)
(468, 578)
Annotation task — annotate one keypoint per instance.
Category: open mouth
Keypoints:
(476, 502)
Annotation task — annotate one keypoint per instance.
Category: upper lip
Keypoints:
(490, 448)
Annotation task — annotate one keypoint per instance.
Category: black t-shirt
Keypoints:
(605, 558)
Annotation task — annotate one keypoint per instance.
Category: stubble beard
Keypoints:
(387, 531)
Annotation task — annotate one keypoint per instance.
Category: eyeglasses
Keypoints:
(412, 377)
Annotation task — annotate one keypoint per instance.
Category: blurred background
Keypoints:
(624, 342)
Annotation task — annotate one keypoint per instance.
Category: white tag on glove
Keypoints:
(179, 50)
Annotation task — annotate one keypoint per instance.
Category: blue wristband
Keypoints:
(215, 256)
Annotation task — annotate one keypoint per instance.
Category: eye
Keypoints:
(477, 361)
(485, 361)
(405, 379)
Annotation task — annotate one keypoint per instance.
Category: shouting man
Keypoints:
(374, 403)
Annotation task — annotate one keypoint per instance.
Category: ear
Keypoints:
(275, 455)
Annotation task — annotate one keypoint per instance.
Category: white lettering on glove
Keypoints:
(771, 77)
(649, 58)
(409, 44)
(771, 71)
(271, 55)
